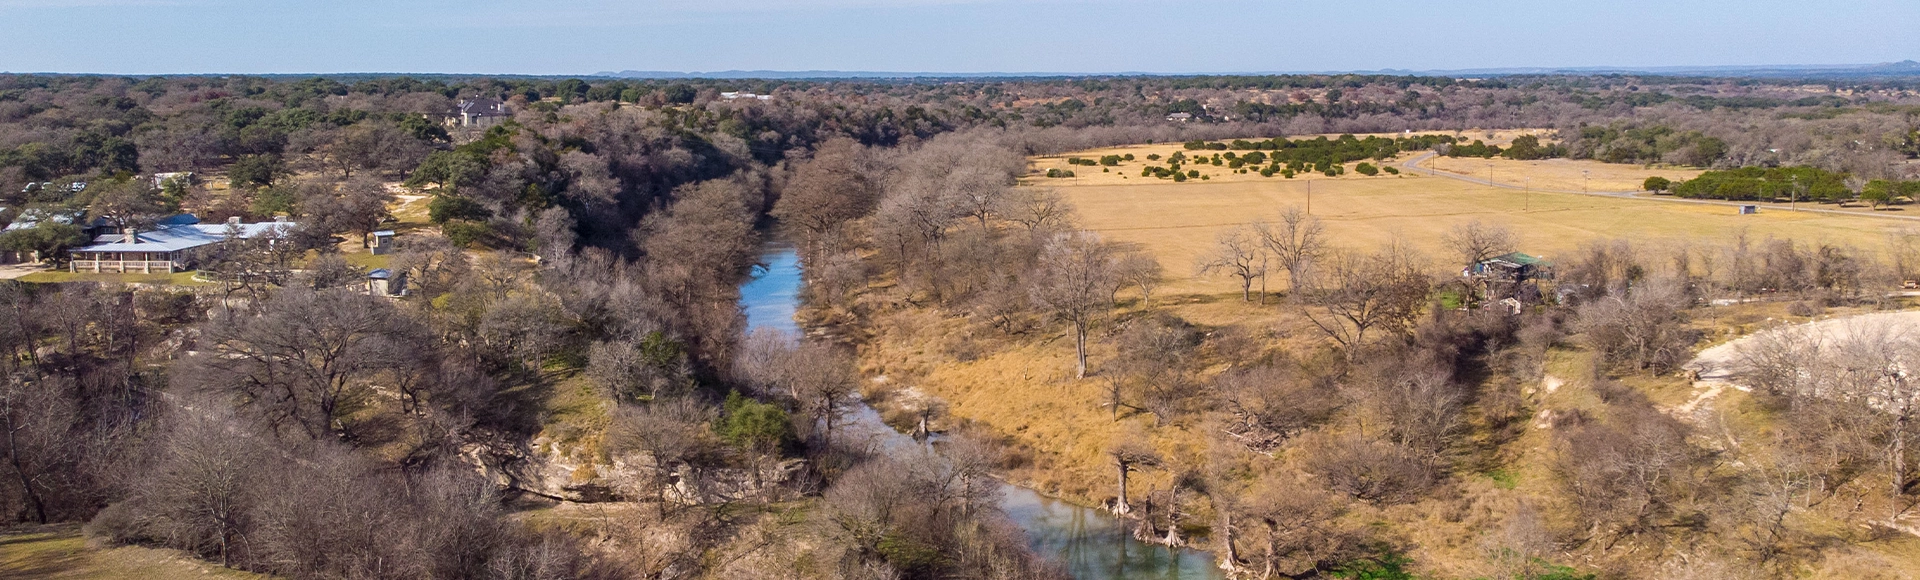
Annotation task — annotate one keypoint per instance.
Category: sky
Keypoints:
(957, 36)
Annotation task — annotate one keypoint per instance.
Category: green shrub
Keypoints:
(1367, 169)
(751, 424)
(445, 208)
(465, 233)
(275, 200)
(1656, 184)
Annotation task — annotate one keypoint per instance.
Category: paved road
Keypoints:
(1413, 165)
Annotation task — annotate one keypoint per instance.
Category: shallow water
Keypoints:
(1090, 544)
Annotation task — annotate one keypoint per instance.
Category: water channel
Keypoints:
(1092, 545)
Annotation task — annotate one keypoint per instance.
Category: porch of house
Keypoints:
(125, 262)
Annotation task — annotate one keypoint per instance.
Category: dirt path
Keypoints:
(1713, 368)
(11, 271)
(1413, 165)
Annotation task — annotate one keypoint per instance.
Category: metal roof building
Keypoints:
(167, 249)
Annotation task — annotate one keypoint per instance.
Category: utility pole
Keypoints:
(1309, 197)
(1793, 195)
(1586, 179)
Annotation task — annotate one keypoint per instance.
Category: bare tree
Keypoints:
(306, 360)
(36, 421)
(1645, 329)
(1237, 253)
(1418, 402)
(1849, 388)
(1074, 282)
(1155, 360)
(1293, 530)
(1129, 454)
(1631, 474)
(1476, 242)
(670, 432)
(204, 487)
(823, 380)
(1036, 208)
(837, 185)
(1269, 404)
(1356, 294)
(1140, 270)
(1296, 241)
(1365, 468)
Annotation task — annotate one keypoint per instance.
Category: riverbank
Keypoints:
(1090, 544)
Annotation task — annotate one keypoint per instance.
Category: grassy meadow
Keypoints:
(59, 552)
(1179, 222)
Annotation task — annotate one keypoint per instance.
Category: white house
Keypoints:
(478, 113)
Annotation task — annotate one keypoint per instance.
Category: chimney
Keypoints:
(279, 219)
(233, 221)
(130, 237)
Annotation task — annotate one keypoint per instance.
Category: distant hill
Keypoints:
(836, 74)
(1905, 68)
(1902, 69)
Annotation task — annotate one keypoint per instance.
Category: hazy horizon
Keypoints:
(938, 36)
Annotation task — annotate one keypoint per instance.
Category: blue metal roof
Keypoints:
(184, 237)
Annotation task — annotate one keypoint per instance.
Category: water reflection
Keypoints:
(772, 296)
(1091, 545)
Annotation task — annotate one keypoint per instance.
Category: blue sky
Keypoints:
(580, 37)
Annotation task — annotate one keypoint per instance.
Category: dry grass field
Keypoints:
(1179, 222)
(1129, 172)
(60, 552)
(1019, 389)
(1557, 174)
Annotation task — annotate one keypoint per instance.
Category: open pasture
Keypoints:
(1179, 222)
(1556, 174)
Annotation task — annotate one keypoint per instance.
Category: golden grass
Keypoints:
(1128, 172)
(1179, 222)
(1558, 174)
(59, 552)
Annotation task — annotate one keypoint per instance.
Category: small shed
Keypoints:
(384, 282)
(1510, 275)
(381, 243)
(1513, 266)
(1749, 209)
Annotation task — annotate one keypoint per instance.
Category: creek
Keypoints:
(1089, 543)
